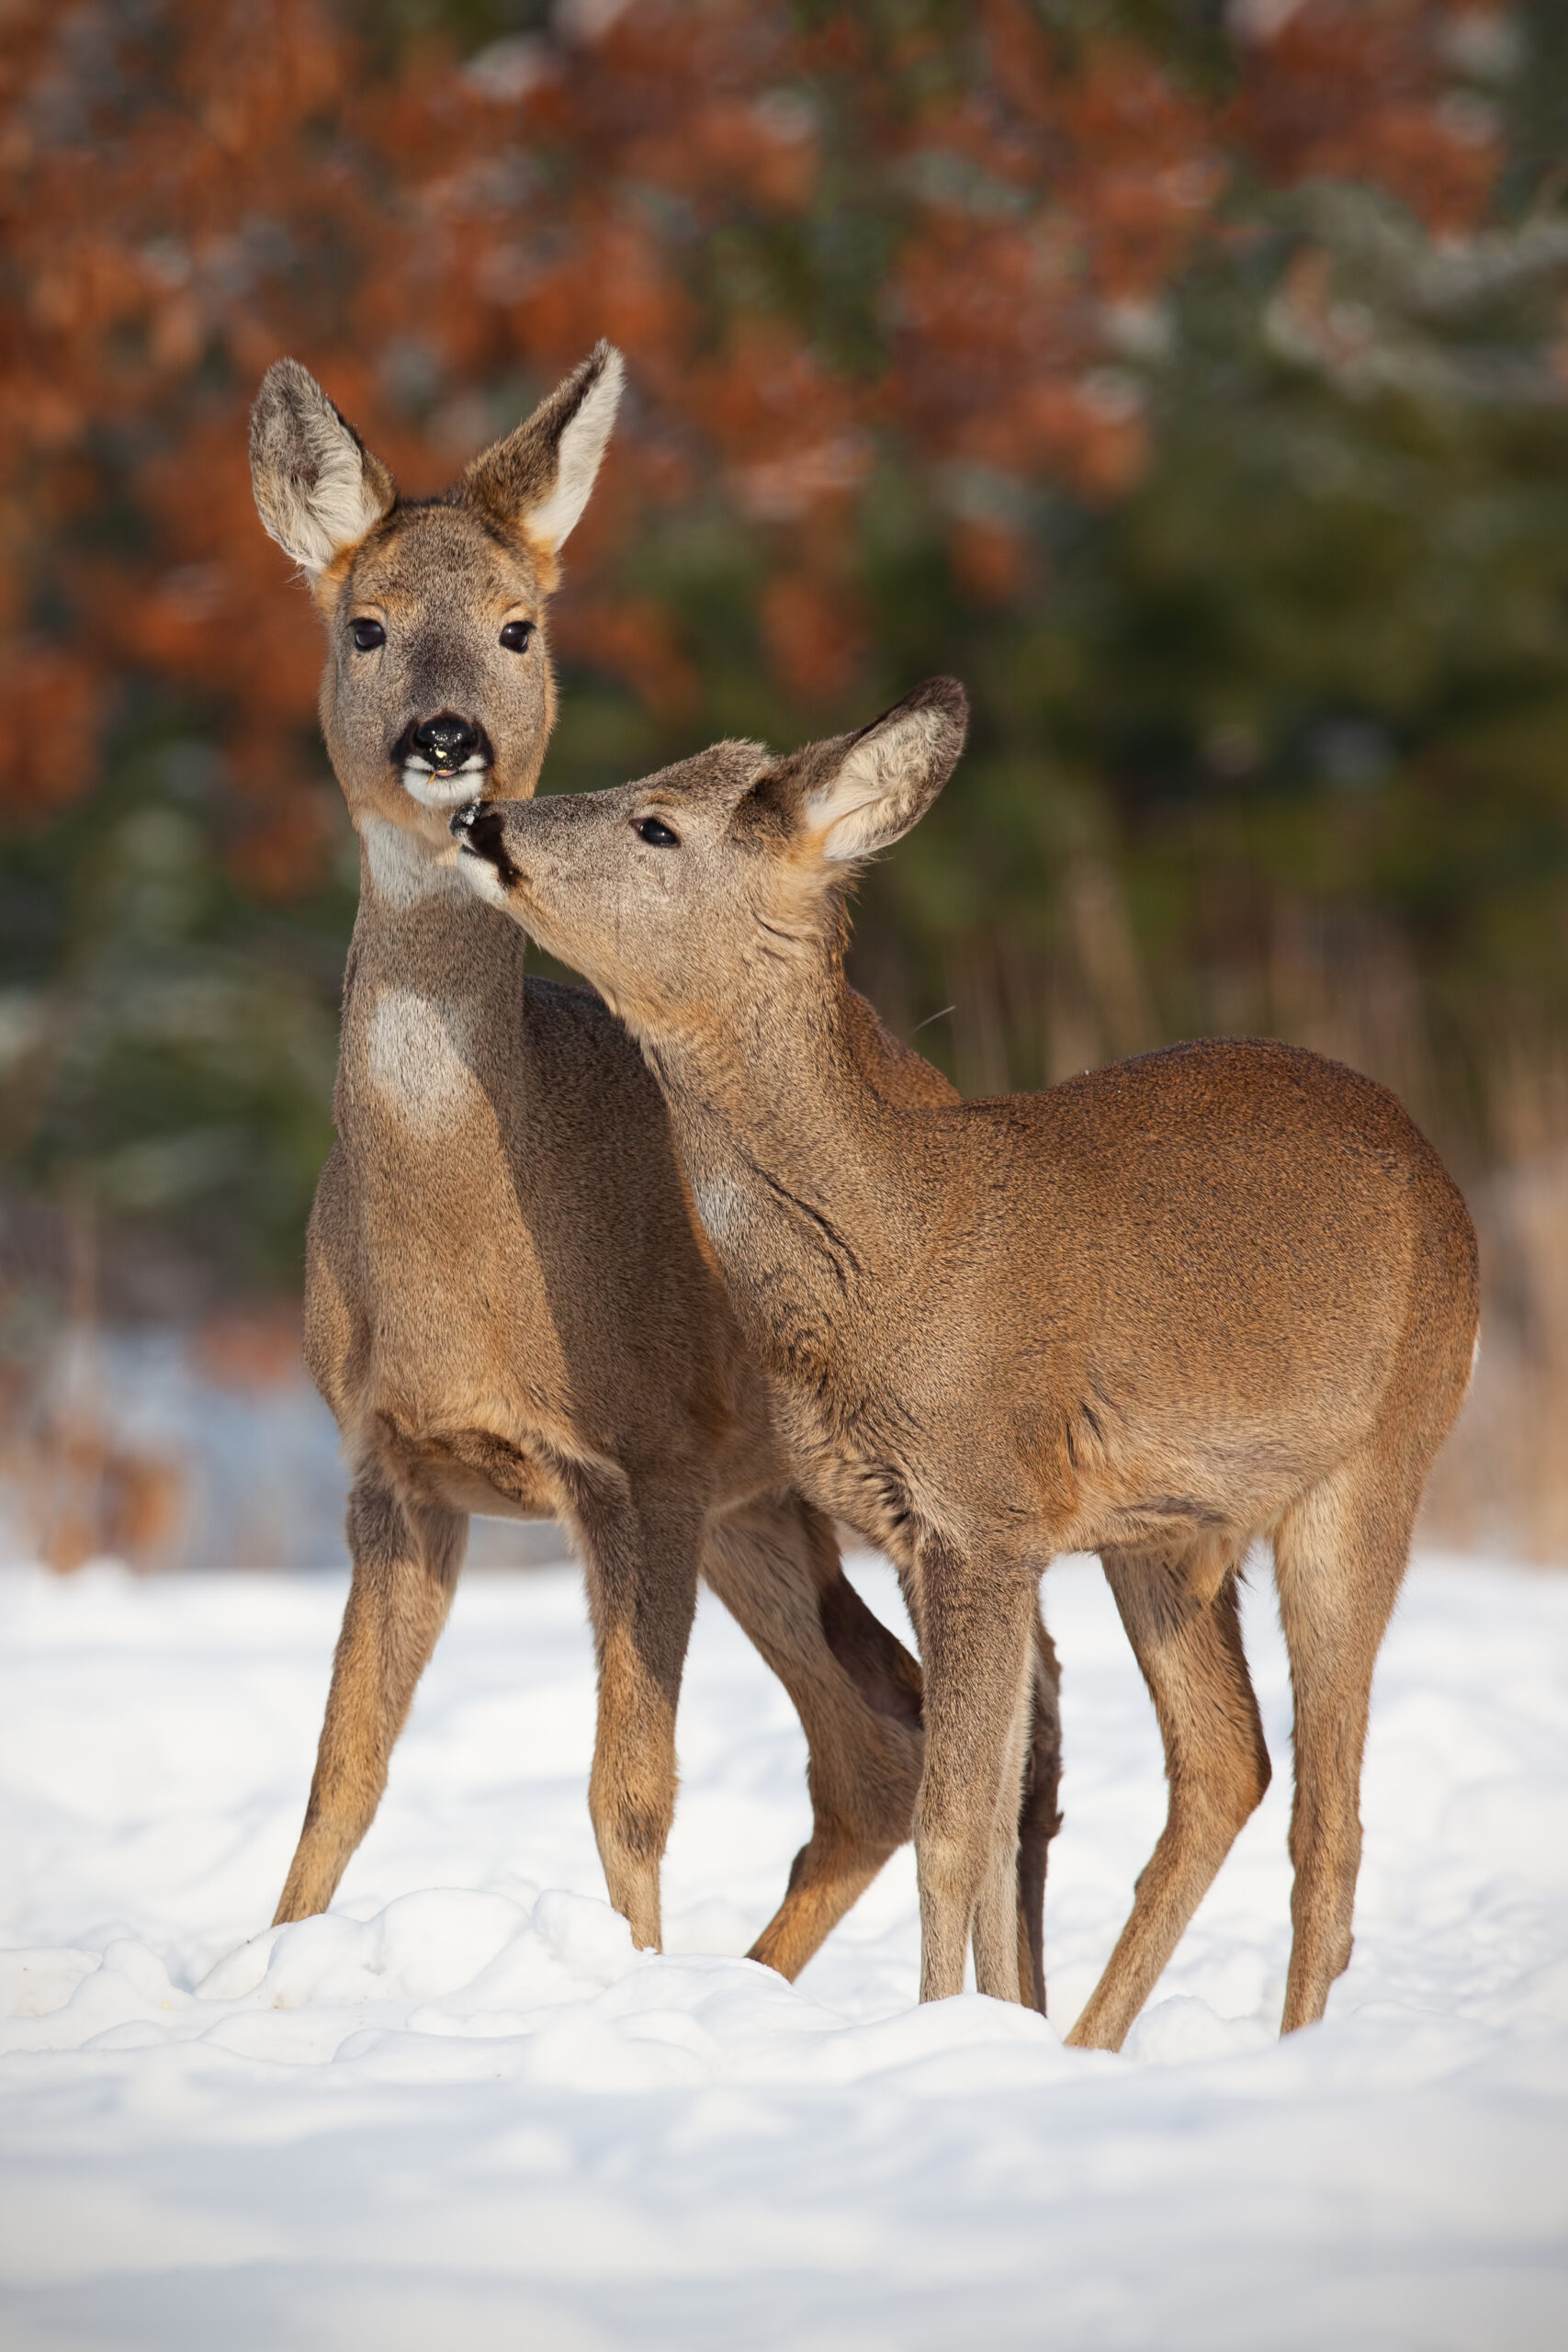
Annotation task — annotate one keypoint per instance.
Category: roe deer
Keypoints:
(507, 1307)
(1216, 1292)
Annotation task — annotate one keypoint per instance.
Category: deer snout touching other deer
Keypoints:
(478, 829)
(1218, 1292)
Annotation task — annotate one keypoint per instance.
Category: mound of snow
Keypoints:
(461, 2107)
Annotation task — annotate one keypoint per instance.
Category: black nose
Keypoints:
(480, 829)
(445, 740)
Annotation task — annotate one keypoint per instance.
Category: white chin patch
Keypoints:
(452, 791)
(481, 876)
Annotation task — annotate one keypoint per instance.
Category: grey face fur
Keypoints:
(438, 683)
(677, 932)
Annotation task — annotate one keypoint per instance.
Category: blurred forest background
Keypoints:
(1191, 380)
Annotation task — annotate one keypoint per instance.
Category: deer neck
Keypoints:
(432, 1000)
(792, 1159)
(417, 917)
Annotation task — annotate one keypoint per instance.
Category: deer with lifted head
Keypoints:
(1214, 1294)
(507, 1307)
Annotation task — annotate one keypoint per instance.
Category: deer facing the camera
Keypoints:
(507, 1307)
(1214, 1294)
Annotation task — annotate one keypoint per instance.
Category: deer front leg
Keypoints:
(976, 1626)
(405, 1569)
(639, 1550)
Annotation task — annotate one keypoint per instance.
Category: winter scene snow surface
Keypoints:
(461, 2109)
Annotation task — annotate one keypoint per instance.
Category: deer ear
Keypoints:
(888, 775)
(540, 476)
(317, 488)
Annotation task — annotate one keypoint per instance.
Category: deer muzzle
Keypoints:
(443, 759)
(480, 830)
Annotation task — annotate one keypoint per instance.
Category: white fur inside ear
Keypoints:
(578, 456)
(338, 511)
(881, 788)
(317, 491)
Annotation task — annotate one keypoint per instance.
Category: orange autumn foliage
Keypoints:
(190, 190)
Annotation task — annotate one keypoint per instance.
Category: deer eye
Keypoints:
(515, 636)
(367, 635)
(657, 835)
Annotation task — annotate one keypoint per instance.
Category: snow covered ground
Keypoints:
(459, 2111)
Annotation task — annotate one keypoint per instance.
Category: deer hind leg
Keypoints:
(1339, 1557)
(639, 1551)
(1188, 1646)
(975, 1628)
(406, 1559)
(1038, 1815)
(774, 1565)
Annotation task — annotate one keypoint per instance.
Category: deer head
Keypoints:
(438, 683)
(691, 894)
